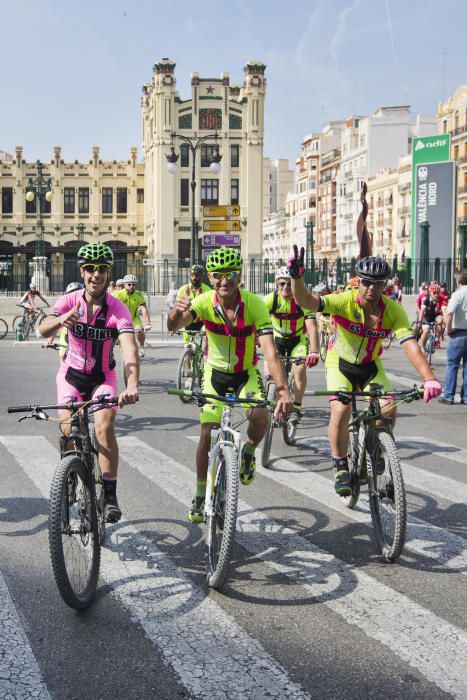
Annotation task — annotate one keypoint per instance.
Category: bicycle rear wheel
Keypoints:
(186, 373)
(221, 524)
(289, 427)
(387, 498)
(267, 440)
(26, 326)
(3, 328)
(430, 348)
(98, 484)
(73, 533)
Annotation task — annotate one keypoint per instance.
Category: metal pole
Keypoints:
(193, 247)
(312, 243)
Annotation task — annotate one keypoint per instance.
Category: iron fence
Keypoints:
(258, 275)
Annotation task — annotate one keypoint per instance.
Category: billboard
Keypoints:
(426, 149)
(434, 201)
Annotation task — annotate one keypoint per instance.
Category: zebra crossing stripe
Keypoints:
(435, 484)
(211, 654)
(20, 676)
(419, 637)
(443, 450)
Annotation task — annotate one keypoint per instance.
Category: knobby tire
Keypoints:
(222, 523)
(289, 429)
(353, 458)
(184, 382)
(3, 328)
(267, 440)
(75, 557)
(387, 501)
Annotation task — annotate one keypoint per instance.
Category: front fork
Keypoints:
(219, 437)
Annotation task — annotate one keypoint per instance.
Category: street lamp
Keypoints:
(41, 188)
(310, 247)
(193, 143)
(80, 228)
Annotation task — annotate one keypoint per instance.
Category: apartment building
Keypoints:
(278, 181)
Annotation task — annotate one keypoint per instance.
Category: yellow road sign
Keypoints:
(219, 225)
(222, 210)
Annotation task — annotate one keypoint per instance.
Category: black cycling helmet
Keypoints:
(197, 270)
(372, 268)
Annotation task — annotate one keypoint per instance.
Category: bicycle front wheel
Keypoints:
(221, 524)
(26, 327)
(430, 348)
(289, 426)
(387, 498)
(185, 373)
(355, 468)
(3, 328)
(323, 345)
(267, 440)
(73, 533)
(98, 484)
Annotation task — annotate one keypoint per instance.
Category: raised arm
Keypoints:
(300, 292)
(180, 315)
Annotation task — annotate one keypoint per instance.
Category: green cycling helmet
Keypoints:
(224, 259)
(95, 253)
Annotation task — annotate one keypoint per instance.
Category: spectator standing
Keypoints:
(455, 317)
(172, 295)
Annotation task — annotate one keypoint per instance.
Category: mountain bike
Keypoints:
(3, 328)
(324, 337)
(373, 460)
(76, 507)
(430, 345)
(29, 322)
(191, 363)
(289, 425)
(221, 501)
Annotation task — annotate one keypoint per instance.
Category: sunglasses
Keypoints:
(285, 284)
(130, 284)
(368, 283)
(89, 267)
(232, 275)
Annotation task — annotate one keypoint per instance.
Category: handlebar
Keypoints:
(230, 399)
(376, 392)
(72, 405)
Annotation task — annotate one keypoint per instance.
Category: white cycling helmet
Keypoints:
(129, 278)
(118, 283)
(319, 288)
(73, 286)
(283, 272)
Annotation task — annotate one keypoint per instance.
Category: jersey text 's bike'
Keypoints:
(221, 501)
(29, 322)
(191, 364)
(76, 506)
(373, 460)
(289, 426)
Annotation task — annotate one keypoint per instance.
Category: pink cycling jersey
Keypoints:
(90, 343)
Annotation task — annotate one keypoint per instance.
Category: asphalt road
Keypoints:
(309, 610)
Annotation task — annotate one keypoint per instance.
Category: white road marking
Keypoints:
(444, 450)
(211, 654)
(421, 638)
(435, 484)
(20, 677)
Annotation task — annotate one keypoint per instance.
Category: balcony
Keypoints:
(459, 130)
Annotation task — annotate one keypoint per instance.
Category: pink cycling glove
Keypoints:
(432, 389)
(312, 359)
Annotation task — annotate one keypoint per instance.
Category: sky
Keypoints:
(72, 72)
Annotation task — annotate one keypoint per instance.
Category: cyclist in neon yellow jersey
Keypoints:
(136, 303)
(295, 331)
(233, 319)
(193, 289)
(362, 318)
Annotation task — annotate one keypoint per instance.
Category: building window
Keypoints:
(83, 200)
(184, 192)
(234, 191)
(184, 156)
(7, 200)
(107, 200)
(235, 156)
(184, 249)
(445, 126)
(46, 207)
(140, 196)
(207, 152)
(122, 200)
(209, 191)
(31, 206)
(69, 200)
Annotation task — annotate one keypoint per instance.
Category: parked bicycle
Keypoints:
(29, 322)
(221, 501)
(3, 328)
(289, 425)
(76, 507)
(191, 363)
(373, 460)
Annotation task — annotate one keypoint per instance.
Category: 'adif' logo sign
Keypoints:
(439, 143)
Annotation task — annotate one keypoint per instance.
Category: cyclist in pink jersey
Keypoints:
(95, 319)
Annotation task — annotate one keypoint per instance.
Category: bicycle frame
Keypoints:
(223, 435)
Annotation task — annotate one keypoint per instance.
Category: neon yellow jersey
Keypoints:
(191, 291)
(352, 341)
(232, 349)
(132, 302)
(288, 318)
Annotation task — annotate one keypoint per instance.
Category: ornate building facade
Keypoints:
(234, 117)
